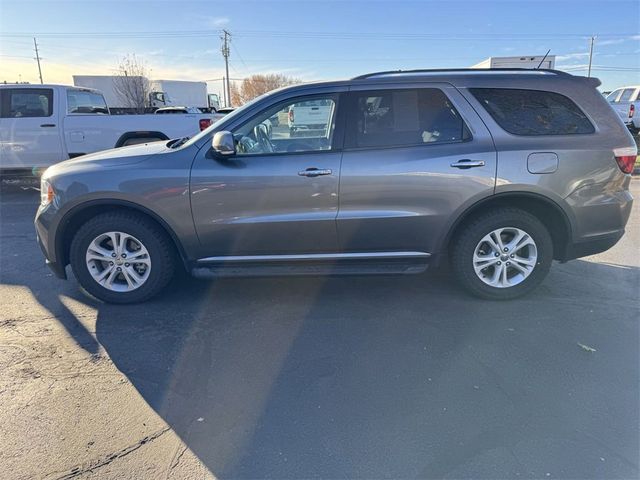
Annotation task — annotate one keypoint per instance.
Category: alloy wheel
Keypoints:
(505, 257)
(118, 261)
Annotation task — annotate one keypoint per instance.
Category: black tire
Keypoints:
(155, 240)
(468, 238)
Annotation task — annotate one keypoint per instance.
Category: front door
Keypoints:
(413, 158)
(278, 194)
(30, 133)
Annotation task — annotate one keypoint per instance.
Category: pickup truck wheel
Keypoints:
(121, 257)
(503, 254)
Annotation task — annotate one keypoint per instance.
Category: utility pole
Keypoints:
(224, 92)
(225, 54)
(590, 55)
(37, 58)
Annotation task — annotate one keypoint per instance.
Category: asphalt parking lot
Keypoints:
(351, 377)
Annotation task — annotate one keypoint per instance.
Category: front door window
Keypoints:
(299, 125)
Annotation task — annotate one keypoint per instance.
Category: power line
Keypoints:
(240, 57)
(14, 56)
(316, 35)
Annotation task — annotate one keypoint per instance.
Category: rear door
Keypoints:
(414, 156)
(30, 133)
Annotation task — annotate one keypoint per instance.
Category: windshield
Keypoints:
(227, 118)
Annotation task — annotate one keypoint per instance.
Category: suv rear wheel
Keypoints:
(122, 257)
(503, 254)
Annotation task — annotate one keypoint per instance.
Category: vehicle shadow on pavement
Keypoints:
(390, 376)
(370, 376)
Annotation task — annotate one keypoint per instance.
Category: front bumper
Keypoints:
(43, 223)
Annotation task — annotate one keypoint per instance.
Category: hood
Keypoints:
(111, 158)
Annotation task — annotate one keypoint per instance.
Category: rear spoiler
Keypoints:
(591, 81)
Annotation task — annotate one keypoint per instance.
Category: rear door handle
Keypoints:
(48, 125)
(463, 164)
(314, 172)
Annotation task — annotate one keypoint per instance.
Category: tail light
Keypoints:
(205, 123)
(291, 116)
(626, 158)
(632, 110)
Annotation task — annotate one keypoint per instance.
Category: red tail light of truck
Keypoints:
(205, 123)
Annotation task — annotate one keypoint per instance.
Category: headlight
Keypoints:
(46, 192)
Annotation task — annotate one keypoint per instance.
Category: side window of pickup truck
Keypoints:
(85, 101)
(28, 102)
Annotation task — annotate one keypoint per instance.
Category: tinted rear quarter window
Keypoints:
(533, 112)
(403, 117)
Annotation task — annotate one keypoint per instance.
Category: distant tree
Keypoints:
(255, 85)
(131, 84)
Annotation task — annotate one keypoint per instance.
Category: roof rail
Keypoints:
(461, 70)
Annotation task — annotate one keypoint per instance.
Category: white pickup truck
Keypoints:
(626, 101)
(44, 124)
(310, 117)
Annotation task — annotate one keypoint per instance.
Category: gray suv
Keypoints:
(499, 172)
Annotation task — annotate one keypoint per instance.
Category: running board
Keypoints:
(381, 263)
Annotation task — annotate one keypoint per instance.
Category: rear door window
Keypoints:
(627, 94)
(28, 102)
(403, 117)
(533, 112)
(614, 96)
(85, 101)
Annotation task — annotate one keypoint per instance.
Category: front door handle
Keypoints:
(315, 172)
(463, 164)
(48, 125)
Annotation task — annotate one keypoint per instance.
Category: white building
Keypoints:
(518, 62)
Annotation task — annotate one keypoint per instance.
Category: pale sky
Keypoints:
(313, 40)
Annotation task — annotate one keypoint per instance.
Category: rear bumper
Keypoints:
(591, 246)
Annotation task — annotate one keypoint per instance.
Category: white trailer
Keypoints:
(106, 86)
(179, 93)
(531, 61)
(164, 93)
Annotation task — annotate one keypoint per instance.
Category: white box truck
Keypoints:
(181, 93)
(530, 61)
(163, 93)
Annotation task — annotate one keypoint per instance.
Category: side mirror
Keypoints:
(223, 143)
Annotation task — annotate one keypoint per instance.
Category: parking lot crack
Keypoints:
(103, 460)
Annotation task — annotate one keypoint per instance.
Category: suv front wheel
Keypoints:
(503, 254)
(122, 257)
